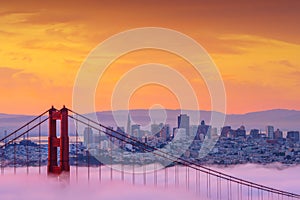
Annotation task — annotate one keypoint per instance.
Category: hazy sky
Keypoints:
(255, 44)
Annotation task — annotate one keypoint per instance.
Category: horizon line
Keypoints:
(139, 109)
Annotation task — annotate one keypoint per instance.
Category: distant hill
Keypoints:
(10, 122)
(279, 118)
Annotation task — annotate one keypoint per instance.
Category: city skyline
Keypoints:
(235, 144)
(152, 99)
(283, 119)
(255, 48)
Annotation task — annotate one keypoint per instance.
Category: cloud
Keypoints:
(6, 72)
(43, 187)
(10, 77)
(285, 63)
(44, 18)
(50, 39)
(6, 33)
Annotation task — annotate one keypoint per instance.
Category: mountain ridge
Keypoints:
(284, 119)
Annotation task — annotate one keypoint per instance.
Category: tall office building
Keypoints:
(128, 130)
(164, 132)
(240, 132)
(167, 131)
(184, 122)
(254, 133)
(202, 130)
(278, 134)
(270, 132)
(225, 132)
(135, 130)
(87, 136)
(293, 136)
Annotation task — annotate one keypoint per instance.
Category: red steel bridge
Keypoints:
(208, 182)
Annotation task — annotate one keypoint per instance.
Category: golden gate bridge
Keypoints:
(214, 185)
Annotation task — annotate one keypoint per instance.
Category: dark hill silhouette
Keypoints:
(280, 118)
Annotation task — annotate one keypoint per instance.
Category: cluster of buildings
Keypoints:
(230, 146)
(233, 146)
(162, 133)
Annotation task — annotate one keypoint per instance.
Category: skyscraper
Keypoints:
(128, 130)
(135, 130)
(240, 132)
(87, 136)
(184, 122)
(278, 134)
(225, 131)
(270, 132)
(293, 136)
(202, 130)
(254, 133)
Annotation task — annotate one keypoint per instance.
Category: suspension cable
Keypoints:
(182, 161)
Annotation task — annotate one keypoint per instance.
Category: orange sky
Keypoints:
(255, 45)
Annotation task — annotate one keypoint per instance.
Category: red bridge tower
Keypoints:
(54, 142)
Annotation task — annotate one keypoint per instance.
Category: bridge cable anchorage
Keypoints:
(180, 160)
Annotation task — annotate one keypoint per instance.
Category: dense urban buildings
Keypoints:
(234, 146)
